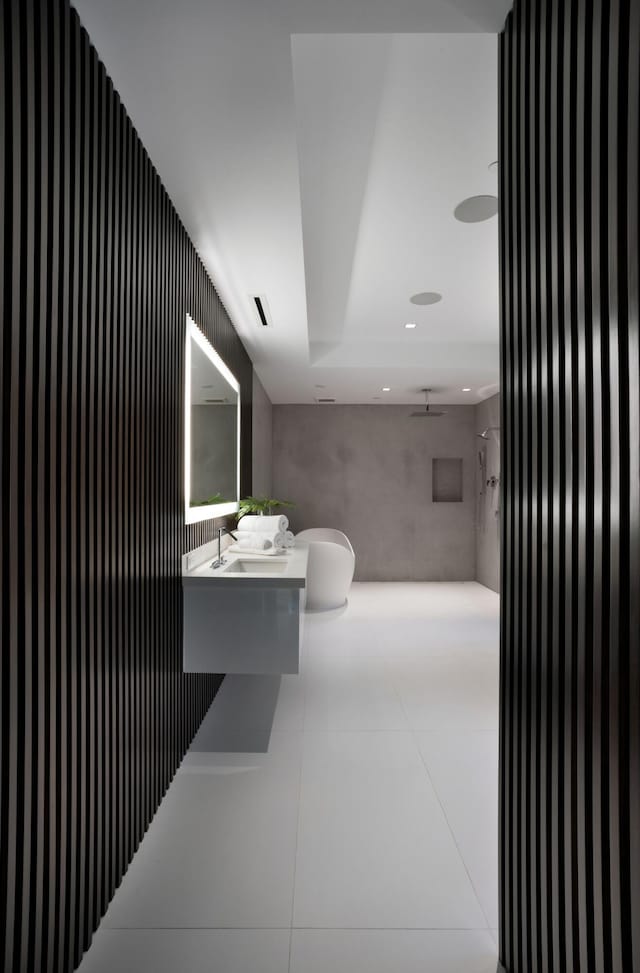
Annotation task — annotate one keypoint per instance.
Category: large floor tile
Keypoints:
(389, 618)
(289, 714)
(351, 693)
(450, 691)
(385, 950)
(374, 848)
(440, 635)
(188, 951)
(220, 851)
(324, 636)
(464, 770)
(414, 600)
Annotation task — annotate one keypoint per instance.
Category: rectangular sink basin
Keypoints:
(256, 567)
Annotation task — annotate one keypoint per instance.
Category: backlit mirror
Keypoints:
(212, 432)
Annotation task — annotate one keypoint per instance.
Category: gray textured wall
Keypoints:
(262, 441)
(488, 498)
(366, 470)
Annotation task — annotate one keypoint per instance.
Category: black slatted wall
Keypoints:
(570, 682)
(97, 275)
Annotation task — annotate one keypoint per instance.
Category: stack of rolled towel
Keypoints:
(263, 535)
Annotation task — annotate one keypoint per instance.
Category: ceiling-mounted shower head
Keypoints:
(428, 412)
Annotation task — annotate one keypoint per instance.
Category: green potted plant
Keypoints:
(263, 506)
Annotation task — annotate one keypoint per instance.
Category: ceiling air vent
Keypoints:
(263, 311)
(320, 401)
(216, 401)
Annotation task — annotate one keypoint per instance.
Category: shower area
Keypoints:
(488, 493)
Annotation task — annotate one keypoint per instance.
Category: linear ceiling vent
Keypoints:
(321, 401)
(216, 401)
(262, 308)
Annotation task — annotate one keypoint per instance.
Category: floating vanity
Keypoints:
(245, 616)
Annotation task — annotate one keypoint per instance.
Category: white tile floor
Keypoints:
(365, 839)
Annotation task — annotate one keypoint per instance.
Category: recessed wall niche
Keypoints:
(446, 477)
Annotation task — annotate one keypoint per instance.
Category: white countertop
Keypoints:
(197, 570)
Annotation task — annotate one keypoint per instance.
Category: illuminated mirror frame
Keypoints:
(194, 515)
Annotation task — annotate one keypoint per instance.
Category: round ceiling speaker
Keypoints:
(426, 297)
(476, 209)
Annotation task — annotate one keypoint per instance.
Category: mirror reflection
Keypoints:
(212, 426)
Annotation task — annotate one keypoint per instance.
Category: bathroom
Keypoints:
(319, 516)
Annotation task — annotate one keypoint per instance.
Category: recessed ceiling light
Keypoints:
(476, 209)
(410, 326)
(426, 297)
(466, 390)
(386, 389)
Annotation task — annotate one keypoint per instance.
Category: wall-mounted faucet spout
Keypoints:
(220, 560)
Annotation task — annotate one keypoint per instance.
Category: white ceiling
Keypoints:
(315, 152)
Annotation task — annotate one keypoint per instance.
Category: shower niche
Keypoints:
(446, 480)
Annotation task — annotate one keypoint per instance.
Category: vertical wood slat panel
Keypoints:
(5, 224)
(570, 629)
(97, 275)
(633, 312)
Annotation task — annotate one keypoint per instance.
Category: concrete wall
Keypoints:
(488, 497)
(262, 441)
(367, 470)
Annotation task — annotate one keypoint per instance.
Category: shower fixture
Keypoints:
(428, 412)
(485, 434)
(483, 469)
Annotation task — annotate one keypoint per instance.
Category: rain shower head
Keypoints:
(427, 412)
(485, 434)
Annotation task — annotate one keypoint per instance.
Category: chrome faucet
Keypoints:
(220, 560)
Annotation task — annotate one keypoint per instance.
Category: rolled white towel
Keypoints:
(263, 525)
(289, 539)
(275, 538)
(251, 543)
(241, 549)
(254, 539)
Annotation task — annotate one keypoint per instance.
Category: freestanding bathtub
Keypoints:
(330, 567)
